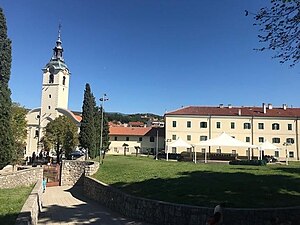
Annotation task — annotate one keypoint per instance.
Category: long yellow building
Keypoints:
(278, 125)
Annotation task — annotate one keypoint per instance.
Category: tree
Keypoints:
(279, 28)
(125, 146)
(6, 136)
(19, 128)
(61, 134)
(87, 135)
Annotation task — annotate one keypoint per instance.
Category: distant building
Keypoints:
(280, 126)
(136, 124)
(147, 139)
(54, 101)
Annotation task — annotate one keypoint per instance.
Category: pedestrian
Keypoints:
(44, 184)
(217, 218)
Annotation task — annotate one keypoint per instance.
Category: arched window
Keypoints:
(51, 78)
(275, 126)
(64, 80)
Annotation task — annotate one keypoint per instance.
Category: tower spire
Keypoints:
(58, 49)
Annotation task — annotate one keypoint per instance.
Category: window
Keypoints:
(203, 124)
(219, 151)
(173, 149)
(291, 154)
(174, 137)
(64, 80)
(36, 133)
(188, 138)
(232, 125)
(290, 126)
(140, 139)
(116, 149)
(203, 138)
(261, 126)
(203, 150)
(233, 152)
(49, 107)
(276, 140)
(151, 139)
(247, 139)
(218, 125)
(290, 140)
(51, 78)
(275, 126)
(261, 139)
(116, 138)
(247, 126)
(188, 124)
(127, 138)
(49, 96)
(174, 124)
(276, 154)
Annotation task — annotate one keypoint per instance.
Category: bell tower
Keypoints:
(55, 87)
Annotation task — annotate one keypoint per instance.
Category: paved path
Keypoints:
(67, 205)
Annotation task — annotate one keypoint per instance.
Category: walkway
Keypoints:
(68, 206)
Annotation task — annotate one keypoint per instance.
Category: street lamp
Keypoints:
(102, 100)
(286, 152)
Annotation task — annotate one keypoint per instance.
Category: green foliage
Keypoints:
(19, 126)
(204, 184)
(6, 135)
(248, 162)
(12, 201)
(124, 118)
(279, 29)
(61, 134)
(87, 135)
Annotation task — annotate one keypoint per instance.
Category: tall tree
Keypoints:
(279, 29)
(6, 136)
(87, 135)
(61, 134)
(19, 125)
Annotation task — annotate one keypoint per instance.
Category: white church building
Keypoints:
(54, 100)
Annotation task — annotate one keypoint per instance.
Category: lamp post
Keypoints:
(286, 152)
(167, 146)
(102, 100)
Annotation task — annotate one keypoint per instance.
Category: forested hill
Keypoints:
(126, 118)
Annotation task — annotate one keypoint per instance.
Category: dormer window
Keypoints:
(51, 79)
(64, 80)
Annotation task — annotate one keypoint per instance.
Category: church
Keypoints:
(54, 99)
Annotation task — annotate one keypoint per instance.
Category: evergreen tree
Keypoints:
(87, 135)
(6, 137)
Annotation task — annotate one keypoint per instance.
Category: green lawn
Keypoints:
(204, 184)
(11, 203)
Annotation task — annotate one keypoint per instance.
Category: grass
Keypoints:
(204, 184)
(11, 203)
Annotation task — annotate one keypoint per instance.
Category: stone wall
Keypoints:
(32, 207)
(72, 171)
(158, 212)
(24, 177)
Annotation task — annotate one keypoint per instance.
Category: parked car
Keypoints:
(75, 154)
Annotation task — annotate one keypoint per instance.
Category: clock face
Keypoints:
(51, 69)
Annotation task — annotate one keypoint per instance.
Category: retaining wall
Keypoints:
(158, 212)
(32, 207)
(25, 177)
(72, 171)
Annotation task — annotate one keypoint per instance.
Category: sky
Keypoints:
(148, 56)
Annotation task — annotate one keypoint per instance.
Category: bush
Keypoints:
(248, 162)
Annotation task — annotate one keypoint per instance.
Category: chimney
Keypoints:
(240, 112)
(264, 108)
(270, 106)
(229, 106)
(284, 106)
(220, 106)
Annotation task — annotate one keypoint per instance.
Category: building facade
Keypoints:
(280, 126)
(54, 100)
(135, 139)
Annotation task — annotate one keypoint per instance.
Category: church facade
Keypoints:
(54, 99)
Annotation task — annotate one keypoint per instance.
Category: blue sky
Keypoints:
(148, 55)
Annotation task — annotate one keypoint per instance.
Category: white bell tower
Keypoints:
(55, 87)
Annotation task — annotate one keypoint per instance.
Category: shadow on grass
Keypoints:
(291, 170)
(8, 219)
(87, 212)
(206, 188)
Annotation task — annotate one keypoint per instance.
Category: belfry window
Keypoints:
(64, 80)
(51, 78)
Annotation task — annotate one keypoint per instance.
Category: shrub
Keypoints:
(248, 162)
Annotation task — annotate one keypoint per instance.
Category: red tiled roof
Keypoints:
(129, 131)
(138, 123)
(79, 118)
(234, 111)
